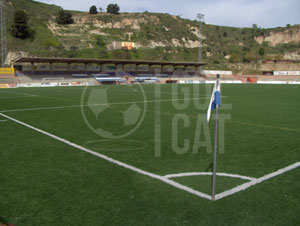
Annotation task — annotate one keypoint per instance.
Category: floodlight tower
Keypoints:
(200, 19)
(3, 33)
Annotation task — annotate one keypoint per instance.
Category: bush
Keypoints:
(64, 17)
(261, 51)
(93, 9)
(100, 42)
(249, 57)
(20, 28)
(235, 58)
(113, 8)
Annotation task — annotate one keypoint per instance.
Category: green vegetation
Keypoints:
(158, 37)
(64, 17)
(20, 28)
(93, 9)
(46, 182)
(113, 8)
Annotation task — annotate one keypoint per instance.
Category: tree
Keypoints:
(261, 51)
(100, 10)
(113, 8)
(64, 17)
(20, 28)
(93, 9)
(100, 42)
(254, 26)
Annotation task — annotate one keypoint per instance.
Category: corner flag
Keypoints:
(215, 103)
(215, 99)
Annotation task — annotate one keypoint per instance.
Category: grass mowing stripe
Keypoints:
(87, 105)
(265, 126)
(25, 94)
(170, 114)
(119, 163)
(17, 97)
(162, 92)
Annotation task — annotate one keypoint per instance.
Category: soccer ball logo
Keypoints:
(110, 117)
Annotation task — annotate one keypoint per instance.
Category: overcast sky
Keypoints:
(237, 13)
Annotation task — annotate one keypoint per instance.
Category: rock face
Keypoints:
(276, 38)
(14, 55)
(86, 26)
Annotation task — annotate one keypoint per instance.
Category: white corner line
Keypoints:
(119, 163)
(256, 181)
(189, 174)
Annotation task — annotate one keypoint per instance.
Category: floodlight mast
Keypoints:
(200, 19)
(2, 34)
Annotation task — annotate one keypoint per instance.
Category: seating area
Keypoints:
(7, 76)
(181, 76)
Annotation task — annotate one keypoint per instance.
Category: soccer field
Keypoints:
(142, 155)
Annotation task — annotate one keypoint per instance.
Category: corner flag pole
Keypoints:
(215, 146)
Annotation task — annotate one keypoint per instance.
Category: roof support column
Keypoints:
(136, 69)
(161, 68)
(198, 69)
(32, 67)
(69, 68)
(186, 71)
(100, 68)
(85, 68)
(51, 71)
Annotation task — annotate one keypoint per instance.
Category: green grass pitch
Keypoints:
(159, 129)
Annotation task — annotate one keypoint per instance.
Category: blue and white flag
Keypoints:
(215, 99)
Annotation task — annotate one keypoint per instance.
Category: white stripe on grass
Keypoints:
(101, 104)
(257, 181)
(119, 163)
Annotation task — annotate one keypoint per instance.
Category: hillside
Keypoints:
(156, 37)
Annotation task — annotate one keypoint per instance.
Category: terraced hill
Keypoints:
(156, 36)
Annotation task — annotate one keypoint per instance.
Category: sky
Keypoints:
(234, 13)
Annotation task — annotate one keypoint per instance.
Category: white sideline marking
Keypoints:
(87, 105)
(209, 174)
(119, 163)
(256, 181)
(3, 120)
(25, 94)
